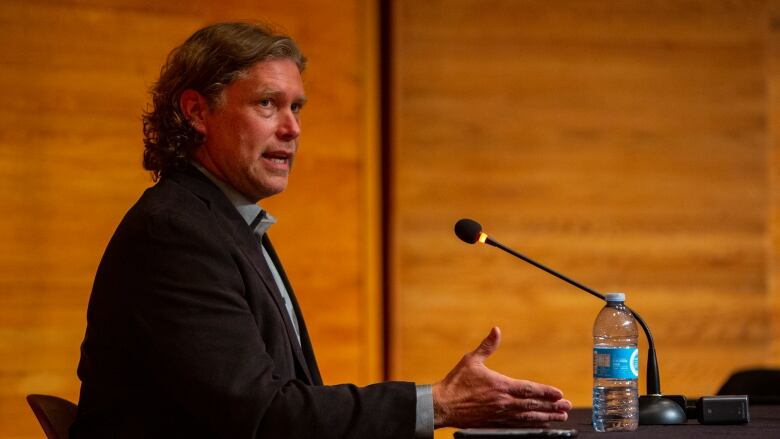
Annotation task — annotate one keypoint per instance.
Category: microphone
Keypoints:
(654, 408)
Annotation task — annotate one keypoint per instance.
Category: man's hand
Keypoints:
(472, 395)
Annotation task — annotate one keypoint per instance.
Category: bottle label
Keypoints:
(615, 362)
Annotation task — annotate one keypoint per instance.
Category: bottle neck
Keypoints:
(616, 304)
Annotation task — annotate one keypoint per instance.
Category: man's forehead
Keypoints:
(278, 75)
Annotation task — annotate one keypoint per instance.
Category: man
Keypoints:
(193, 328)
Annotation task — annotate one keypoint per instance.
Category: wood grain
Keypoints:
(622, 142)
(76, 75)
(631, 144)
(773, 262)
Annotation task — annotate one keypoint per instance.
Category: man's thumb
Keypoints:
(488, 345)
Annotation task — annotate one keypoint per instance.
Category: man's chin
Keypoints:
(269, 189)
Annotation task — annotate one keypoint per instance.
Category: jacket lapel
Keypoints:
(249, 245)
(254, 253)
(306, 346)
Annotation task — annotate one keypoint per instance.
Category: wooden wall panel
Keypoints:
(773, 263)
(621, 142)
(75, 77)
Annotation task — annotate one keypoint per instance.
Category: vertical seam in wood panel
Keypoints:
(388, 220)
(768, 138)
(372, 321)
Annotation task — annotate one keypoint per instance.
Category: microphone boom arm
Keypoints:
(654, 408)
(653, 384)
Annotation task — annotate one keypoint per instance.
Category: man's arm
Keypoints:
(208, 353)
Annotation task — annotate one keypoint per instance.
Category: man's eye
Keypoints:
(296, 108)
(265, 102)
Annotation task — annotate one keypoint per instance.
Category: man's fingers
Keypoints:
(530, 389)
(488, 345)
(528, 419)
(539, 405)
(543, 417)
(563, 405)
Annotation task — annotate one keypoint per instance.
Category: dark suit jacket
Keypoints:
(187, 336)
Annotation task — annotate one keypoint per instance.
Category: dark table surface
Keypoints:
(764, 423)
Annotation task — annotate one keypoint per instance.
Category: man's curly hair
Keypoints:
(207, 62)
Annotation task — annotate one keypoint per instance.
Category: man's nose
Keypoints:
(289, 126)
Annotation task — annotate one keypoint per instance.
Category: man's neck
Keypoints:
(246, 208)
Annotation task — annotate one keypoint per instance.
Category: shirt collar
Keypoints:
(248, 210)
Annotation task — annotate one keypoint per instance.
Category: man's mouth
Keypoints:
(278, 157)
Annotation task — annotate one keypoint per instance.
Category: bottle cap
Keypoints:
(615, 297)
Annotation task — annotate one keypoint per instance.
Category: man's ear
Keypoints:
(194, 107)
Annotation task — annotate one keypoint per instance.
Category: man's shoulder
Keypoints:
(180, 209)
(169, 194)
(172, 200)
(181, 193)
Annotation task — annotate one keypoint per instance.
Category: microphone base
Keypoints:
(657, 410)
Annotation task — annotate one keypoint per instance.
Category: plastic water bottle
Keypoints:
(615, 368)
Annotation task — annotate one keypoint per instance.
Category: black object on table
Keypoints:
(764, 423)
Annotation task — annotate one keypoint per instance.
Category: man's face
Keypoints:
(252, 130)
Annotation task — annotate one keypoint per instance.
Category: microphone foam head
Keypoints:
(468, 230)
